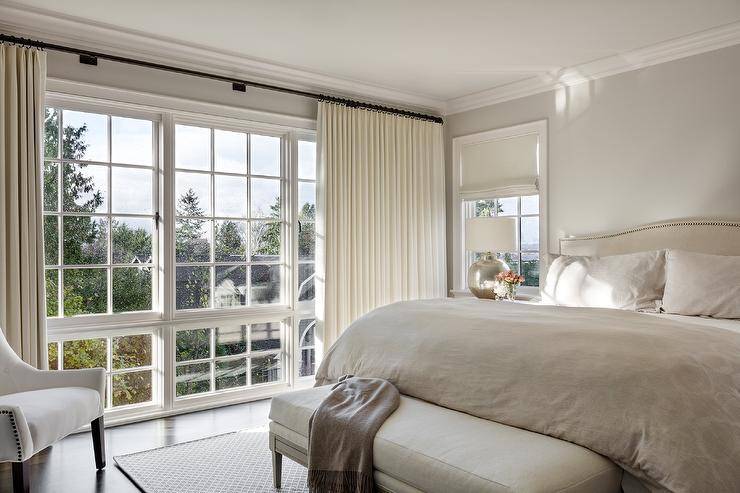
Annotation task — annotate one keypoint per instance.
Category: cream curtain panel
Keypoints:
(22, 306)
(382, 200)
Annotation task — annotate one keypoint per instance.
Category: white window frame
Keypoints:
(164, 320)
(539, 128)
(285, 178)
(154, 332)
(304, 309)
(248, 355)
(94, 320)
(468, 208)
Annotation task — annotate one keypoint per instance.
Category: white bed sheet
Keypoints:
(722, 323)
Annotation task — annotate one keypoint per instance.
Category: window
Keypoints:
(306, 219)
(229, 218)
(526, 259)
(307, 356)
(227, 357)
(503, 172)
(128, 360)
(99, 195)
(177, 268)
(306, 214)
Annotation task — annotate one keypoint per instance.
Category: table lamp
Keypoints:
(488, 235)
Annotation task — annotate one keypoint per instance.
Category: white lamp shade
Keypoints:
(490, 234)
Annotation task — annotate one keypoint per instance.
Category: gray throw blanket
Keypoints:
(341, 434)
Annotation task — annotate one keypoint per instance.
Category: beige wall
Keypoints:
(657, 143)
(65, 66)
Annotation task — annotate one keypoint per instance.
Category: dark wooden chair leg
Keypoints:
(98, 436)
(20, 477)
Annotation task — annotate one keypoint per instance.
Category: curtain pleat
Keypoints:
(381, 207)
(22, 301)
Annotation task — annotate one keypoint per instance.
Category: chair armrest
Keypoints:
(90, 378)
(16, 444)
(18, 376)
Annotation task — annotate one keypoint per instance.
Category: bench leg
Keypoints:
(277, 469)
(98, 435)
(277, 463)
(20, 477)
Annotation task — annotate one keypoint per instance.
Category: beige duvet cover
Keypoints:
(658, 397)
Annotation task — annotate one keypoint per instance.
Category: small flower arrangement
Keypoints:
(506, 284)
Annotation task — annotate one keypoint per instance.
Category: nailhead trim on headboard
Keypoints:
(11, 416)
(672, 224)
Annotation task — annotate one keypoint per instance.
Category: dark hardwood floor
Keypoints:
(69, 465)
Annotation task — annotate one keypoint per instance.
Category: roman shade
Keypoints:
(499, 168)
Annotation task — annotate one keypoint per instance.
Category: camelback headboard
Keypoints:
(713, 236)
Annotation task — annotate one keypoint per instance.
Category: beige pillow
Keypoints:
(701, 284)
(633, 281)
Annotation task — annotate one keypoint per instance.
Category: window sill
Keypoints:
(530, 295)
(85, 323)
(221, 313)
(81, 323)
(229, 396)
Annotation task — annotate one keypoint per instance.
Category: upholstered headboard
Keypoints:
(717, 237)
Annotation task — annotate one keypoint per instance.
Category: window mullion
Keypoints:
(109, 375)
(168, 207)
(156, 233)
(212, 268)
(110, 235)
(248, 355)
(60, 203)
(213, 359)
(109, 204)
(248, 247)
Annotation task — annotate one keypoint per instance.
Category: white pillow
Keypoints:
(634, 281)
(701, 284)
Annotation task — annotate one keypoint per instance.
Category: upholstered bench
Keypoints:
(423, 447)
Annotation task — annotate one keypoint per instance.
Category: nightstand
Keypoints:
(520, 298)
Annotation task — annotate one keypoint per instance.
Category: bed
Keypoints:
(658, 395)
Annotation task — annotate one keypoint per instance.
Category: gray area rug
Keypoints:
(235, 462)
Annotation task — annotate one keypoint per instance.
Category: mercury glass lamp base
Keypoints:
(482, 276)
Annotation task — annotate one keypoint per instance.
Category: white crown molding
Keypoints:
(51, 27)
(25, 21)
(685, 46)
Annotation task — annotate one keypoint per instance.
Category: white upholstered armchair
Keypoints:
(37, 408)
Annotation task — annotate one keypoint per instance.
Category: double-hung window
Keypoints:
(503, 172)
(179, 253)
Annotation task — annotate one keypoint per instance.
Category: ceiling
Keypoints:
(439, 50)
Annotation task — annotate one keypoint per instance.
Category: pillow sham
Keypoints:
(633, 281)
(702, 284)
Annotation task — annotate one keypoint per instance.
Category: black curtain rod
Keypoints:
(90, 58)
